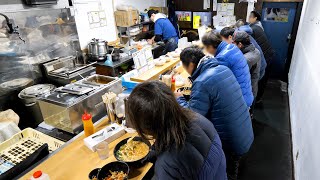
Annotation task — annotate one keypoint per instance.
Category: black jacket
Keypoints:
(201, 157)
(253, 57)
(260, 36)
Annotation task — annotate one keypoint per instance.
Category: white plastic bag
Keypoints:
(9, 116)
(7, 130)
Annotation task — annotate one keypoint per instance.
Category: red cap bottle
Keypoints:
(37, 174)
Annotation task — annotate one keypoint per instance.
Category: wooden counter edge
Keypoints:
(28, 173)
(157, 74)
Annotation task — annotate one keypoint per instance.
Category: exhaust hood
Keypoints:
(40, 2)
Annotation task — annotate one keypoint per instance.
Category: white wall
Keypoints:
(81, 9)
(304, 93)
(141, 5)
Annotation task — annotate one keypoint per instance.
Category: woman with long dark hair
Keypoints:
(187, 144)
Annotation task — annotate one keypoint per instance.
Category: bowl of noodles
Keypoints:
(114, 171)
(132, 152)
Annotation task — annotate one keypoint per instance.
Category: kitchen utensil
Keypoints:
(116, 54)
(110, 99)
(130, 139)
(29, 97)
(96, 136)
(137, 163)
(61, 71)
(97, 49)
(62, 110)
(103, 150)
(113, 166)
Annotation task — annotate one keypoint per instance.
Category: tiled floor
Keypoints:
(270, 155)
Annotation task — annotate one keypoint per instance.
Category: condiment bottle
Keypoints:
(173, 85)
(38, 175)
(87, 124)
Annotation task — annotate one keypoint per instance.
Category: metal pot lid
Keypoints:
(37, 90)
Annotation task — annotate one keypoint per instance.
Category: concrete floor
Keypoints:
(270, 157)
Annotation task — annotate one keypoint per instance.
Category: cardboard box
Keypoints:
(126, 18)
(163, 10)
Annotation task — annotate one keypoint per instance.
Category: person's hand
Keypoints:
(178, 94)
(150, 41)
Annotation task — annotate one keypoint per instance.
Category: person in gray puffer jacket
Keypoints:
(253, 56)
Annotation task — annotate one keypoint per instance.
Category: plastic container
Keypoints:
(87, 124)
(173, 85)
(39, 175)
(27, 140)
(120, 107)
(126, 82)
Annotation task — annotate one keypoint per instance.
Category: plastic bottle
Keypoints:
(87, 124)
(173, 85)
(38, 175)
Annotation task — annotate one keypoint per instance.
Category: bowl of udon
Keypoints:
(133, 152)
(114, 171)
(186, 92)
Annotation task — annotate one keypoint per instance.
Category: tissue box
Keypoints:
(110, 133)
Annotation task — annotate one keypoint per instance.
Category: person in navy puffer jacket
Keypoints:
(187, 146)
(216, 94)
(230, 56)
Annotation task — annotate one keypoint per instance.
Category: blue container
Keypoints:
(128, 84)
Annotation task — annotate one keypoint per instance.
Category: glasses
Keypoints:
(103, 150)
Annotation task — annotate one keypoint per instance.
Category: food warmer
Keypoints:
(62, 71)
(63, 107)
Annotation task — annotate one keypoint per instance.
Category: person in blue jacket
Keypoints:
(230, 56)
(216, 94)
(187, 146)
(164, 31)
(241, 26)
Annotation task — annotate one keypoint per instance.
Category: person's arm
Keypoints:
(166, 170)
(199, 99)
(250, 61)
(158, 32)
(155, 38)
(151, 41)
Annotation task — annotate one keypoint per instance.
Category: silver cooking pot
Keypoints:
(29, 95)
(97, 49)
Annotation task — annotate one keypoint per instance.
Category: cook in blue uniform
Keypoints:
(164, 31)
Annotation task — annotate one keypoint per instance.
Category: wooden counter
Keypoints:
(75, 161)
(154, 73)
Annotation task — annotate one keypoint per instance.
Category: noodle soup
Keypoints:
(132, 151)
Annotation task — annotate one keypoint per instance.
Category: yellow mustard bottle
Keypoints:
(87, 124)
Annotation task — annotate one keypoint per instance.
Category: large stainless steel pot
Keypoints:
(97, 49)
(29, 96)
